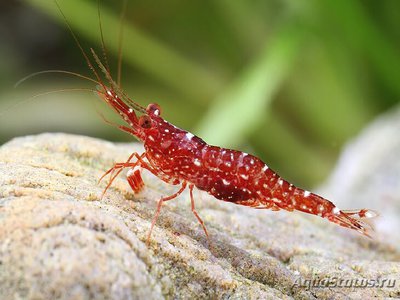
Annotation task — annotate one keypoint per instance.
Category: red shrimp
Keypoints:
(180, 158)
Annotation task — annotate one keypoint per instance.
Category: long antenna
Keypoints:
(119, 91)
(54, 71)
(103, 44)
(80, 47)
(120, 39)
(104, 69)
(12, 106)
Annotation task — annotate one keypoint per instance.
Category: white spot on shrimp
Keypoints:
(166, 130)
(336, 210)
(304, 206)
(252, 161)
(244, 154)
(130, 110)
(157, 112)
(265, 186)
(265, 168)
(306, 194)
(197, 162)
(280, 181)
(109, 93)
(151, 138)
(189, 136)
(244, 176)
(228, 164)
(225, 182)
(321, 208)
(370, 214)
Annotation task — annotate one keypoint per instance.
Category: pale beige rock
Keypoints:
(58, 239)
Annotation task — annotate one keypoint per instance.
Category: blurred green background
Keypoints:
(288, 80)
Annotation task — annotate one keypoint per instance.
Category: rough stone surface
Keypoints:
(59, 239)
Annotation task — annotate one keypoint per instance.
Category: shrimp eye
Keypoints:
(153, 109)
(144, 121)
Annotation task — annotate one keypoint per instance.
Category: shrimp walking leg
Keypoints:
(195, 212)
(160, 202)
(119, 166)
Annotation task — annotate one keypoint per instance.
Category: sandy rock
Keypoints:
(59, 239)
